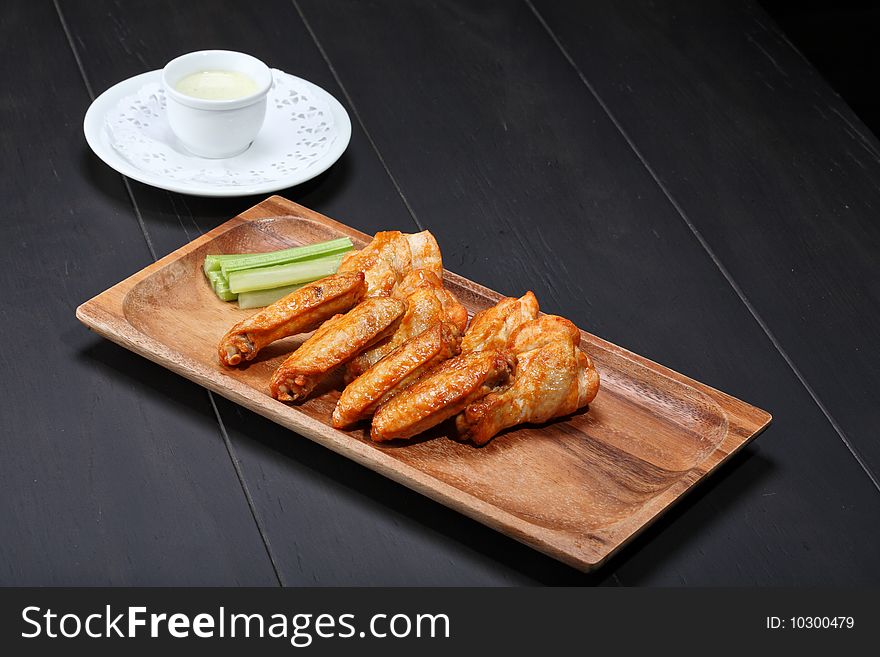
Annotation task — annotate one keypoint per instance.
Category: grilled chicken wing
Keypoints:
(390, 256)
(334, 343)
(490, 328)
(377, 269)
(542, 331)
(453, 311)
(422, 310)
(425, 252)
(553, 378)
(427, 303)
(300, 311)
(443, 392)
(396, 372)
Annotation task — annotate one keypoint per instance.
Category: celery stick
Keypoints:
(229, 264)
(224, 294)
(293, 273)
(220, 286)
(212, 263)
(260, 298)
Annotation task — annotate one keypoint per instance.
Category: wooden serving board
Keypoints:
(576, 489)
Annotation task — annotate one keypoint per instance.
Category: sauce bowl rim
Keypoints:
(263, 79)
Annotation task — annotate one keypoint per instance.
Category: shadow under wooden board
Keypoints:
(577, 489)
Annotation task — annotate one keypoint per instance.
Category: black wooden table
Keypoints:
(673, 176)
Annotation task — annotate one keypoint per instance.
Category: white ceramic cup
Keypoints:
(216, 128)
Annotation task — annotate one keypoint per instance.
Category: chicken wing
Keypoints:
(553, 378)
(453, 311)
(422, 310)
(300, 311)
(425, 252)
(396, 372)
(542, 331)
(441, 393)
(427, 303)
(490, 328)
(379, 274)
(390, 256)
(336, 342)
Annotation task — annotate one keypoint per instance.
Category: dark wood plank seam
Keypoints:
(699, 237)
(222, 428)
(236, 464)
(76, 57)
(357, 115)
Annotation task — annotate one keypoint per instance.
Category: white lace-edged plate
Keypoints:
(305, 132)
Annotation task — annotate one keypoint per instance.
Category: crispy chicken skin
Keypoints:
(334, 343)
(543, 331)
(443, 392)
(390, 256)
(553, 378)
(300, 311)
(396, 372)
(427, 303)
(425, 252)
(414, 280)
(453, 311)
(490, 328)
(422, 310)
(377, 269)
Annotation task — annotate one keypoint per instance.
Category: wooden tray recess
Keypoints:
(576, 489)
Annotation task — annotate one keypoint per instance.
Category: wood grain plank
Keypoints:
(506, 156)
(328, 520)
(768, 163)
(113, 472)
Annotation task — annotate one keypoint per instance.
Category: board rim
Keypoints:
(104, 314)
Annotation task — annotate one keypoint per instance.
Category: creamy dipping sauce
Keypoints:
(217, 85)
